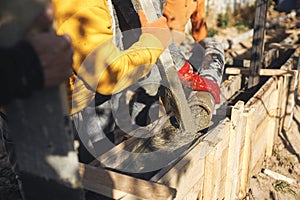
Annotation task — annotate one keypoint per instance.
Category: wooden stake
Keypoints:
(258, 42)
(291, 98)
(262, 72)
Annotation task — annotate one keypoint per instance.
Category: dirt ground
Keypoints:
(8, 184)
(285, 161)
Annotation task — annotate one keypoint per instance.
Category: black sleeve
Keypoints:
(20, 72)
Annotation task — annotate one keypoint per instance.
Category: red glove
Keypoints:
(191, 79)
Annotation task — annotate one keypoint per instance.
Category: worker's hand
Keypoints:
(157, 28)
(55, 55)
(191, 79)
(54, 52)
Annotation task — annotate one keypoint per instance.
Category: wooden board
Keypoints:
(116, 185)
(262, 72)
(261, 100)
(215, 168)
(237, 126)
(229, 88)
(246, 151)
(273, 117)
(293, 83)
(237, 62)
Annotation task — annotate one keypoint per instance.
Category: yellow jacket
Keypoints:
(98, 63)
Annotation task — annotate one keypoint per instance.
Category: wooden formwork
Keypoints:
(219, 165)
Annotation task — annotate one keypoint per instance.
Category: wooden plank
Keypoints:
(236, 128)
(220, 186)
(262, 138)
(270, 57)
(283, 101)
(113, 184)
(209, 181)
(262, 72)
(280, 177)
(246, 159)
(273, 117)
(237, 62)
(283, 46)
(261, 100)
(258, 150)
(298, 83)
(289, 112)
(215, 169)
(170, 73)
(259, 146)
(196, 192)
(292, 31)
(229, 88)
(240, 38)
(274, 54)
(291, 39)
(240, 141)
(258, 42)
(277, 20)
(241, 153)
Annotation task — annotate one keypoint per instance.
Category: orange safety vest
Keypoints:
(178, 12)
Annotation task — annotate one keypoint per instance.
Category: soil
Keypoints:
(8, 185)
(285, 161)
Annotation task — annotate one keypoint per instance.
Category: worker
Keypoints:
(205, 75)
(32, 58)
(40, 60)
(100, 67)
(90, 25)
(200, 62)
